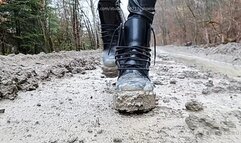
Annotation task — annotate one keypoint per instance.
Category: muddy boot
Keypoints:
(110, 18)
(134, 88)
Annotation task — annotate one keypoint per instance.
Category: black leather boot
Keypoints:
(110, 17)
(134, 88)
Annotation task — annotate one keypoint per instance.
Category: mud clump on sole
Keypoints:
(134, 101)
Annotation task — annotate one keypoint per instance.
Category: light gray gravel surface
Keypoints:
(78, 109)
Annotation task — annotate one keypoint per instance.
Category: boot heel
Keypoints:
(110, 72)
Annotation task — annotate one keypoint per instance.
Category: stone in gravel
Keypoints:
(73, 140)
(77, 70)
(166, 100)
(69, 75)
(209, 83)
(59, 72)
(100, 131)
(194, 106)
(164, 69)
(237, 114)
(181, 76)
(117, 140)
(199, 132)
(205, 91)
(173, 81)
(229, 124)
(192, 74)
(158, 82)
(2, 110)
(90, 67)
(55, 141)
(218, 89)
(90, 131)
(37, 123)
(192, 122)
(83, 72)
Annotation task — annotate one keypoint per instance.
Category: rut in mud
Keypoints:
(193, 106)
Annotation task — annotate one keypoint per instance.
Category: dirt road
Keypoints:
(193, 106)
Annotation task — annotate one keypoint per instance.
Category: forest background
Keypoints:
(34, 26)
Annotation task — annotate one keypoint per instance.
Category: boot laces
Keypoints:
(140, 54)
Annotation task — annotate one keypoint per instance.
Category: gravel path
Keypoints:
(226, 53)
(193, 106)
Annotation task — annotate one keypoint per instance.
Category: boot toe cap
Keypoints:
(134, 84)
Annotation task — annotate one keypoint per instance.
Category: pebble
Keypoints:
(100, 131)
(83, 72)
(218, 89)
(37, 123)
(166, 100)
(205, 91)
(194, 106)
(90, 131)
(73, 140)
(117, 140)
(2, 110)
(209, 83)
(173, 81)
(157, 82)
(229, 124)
(181, 76)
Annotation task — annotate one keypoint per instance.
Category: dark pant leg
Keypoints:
(144, 8)
(110, 18)
(109, 11)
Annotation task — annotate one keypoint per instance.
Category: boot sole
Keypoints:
(134, 101)
(110, 72)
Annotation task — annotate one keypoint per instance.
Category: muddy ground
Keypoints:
(25, 72)
(195, 104)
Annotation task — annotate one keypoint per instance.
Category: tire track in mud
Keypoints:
(207, 64)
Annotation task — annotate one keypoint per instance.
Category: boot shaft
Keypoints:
(136, 31)
(133, 52)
